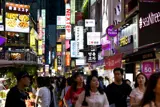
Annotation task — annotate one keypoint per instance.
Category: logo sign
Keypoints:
(111, 32)
(93, 38)
(73, 49)
(148, 68)
(89, 23)
(126, 40)
(61, 21)
(92, 56)
(79, 38)
(68, 24)
(113, 61)
(149, 19)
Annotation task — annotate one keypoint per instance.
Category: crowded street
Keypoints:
(79, 53)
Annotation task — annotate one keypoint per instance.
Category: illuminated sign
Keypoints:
(59, 48)
(68, 24)
(68, 59)
(126, 40)
(73, 11)
(40, 51)
(61, 22)
(40, 30)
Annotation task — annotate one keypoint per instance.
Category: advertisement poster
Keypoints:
(17, 17)
(93, 38)
(113, 61)
(148, 68)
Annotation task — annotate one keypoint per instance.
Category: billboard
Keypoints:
(17, 18)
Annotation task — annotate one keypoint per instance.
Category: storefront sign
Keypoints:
(93, 38)
(111, 32)
(92, 56)
(68, 59)
(126, 40)
(140, 57)
(17, 18)
(73, 49)
(61, 21)
(79, 38)
(68, 24)
(148, 68)
(89, 23)
(113, 61)
(73, 8)
(149, 18)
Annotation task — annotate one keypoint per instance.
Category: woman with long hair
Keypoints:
(76, 88)
(151, 96)
(140, 87)
(93, 96)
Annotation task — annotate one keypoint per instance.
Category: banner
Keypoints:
(68, 23)
(148, 68)
(79, 38)
(92, 56)
(113, 61)
(93, 38)
(73, 49)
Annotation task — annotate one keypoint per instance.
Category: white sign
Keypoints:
(73, 49)
(61, 20)
(1, 27)
(79, 40)
(44, 18)
(93, 38)
(89, 23)
(68, 24)
(80, 62)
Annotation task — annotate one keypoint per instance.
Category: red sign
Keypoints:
(113, 61)
(148, 68)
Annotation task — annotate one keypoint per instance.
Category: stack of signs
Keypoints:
(92, 56)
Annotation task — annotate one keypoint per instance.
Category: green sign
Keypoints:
(73, 3)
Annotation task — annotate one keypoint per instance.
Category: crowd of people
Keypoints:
(75, 91)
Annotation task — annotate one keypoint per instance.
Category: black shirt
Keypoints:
(117, 94)
(16, 98)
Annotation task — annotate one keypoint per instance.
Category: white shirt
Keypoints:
(137, 95)
(45, 96)
(94, 100)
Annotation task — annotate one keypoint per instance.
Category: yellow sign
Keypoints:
(59, 48)
(125, 40)
(55, 64)
(40, 51)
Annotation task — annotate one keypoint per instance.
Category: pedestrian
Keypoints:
(75, 90)
(93, 96)
(151, 96)
(17, 96)
(118, 91)
(140, 87)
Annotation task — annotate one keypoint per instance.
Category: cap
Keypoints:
(22, 74)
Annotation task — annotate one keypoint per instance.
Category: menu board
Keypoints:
(17, 18)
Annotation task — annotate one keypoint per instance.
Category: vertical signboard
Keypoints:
(59, 60)
(68, 24)
(61, 22)
(73, 49)
(68, 59)
(73, 11)
(79, 38)
(40, 30)
(44, 17)
(40, 47)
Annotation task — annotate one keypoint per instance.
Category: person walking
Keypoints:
(118, 91)
(93, 96)
(151, 96)
(17, 96)
(75, 90)
(140, 87)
